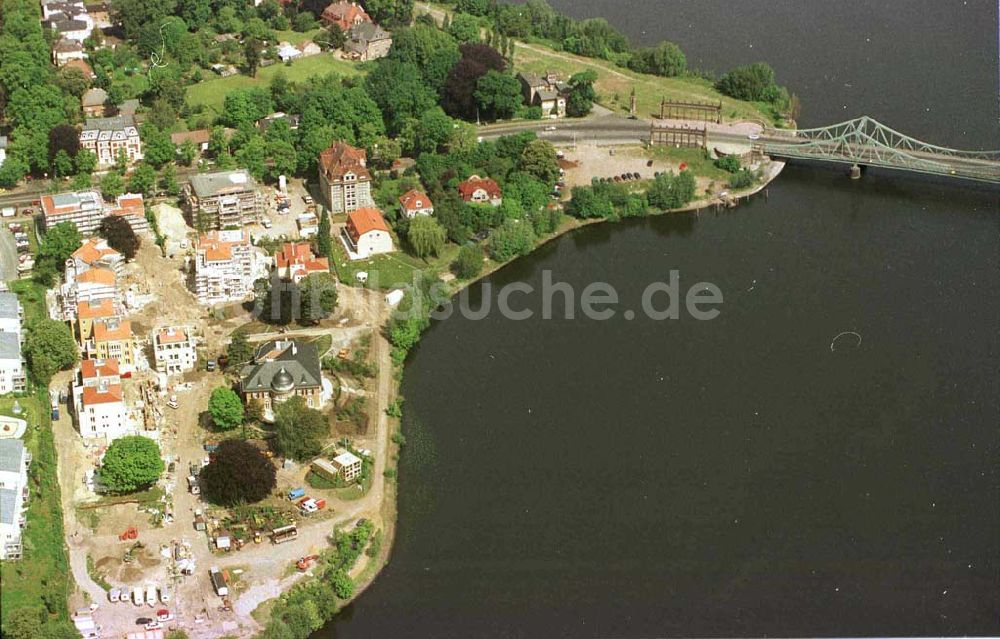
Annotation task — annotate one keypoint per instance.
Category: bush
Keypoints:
(49, 347)
(131, 463)
(469, 262)
(512, 238)
(751, 82)
(728, 163)
(669, 191)
(239, 473)
(742, 179)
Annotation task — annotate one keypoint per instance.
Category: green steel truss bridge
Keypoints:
(867, 142)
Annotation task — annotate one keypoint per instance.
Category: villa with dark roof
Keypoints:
(280, 370)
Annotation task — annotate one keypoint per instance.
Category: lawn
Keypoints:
(42, 578)
(212, 93)
(32, 298)
(614, 84)
(297, 37)
(391, 270)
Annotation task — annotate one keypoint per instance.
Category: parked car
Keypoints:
(153, 625)
(114, 595)
(142, 621)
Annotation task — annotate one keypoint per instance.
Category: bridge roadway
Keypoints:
(615, 129)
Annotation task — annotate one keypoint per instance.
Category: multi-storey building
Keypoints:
(14, 461)
(344, 178)
(225, 267)
(132, 208)
(94, 286)
(84, 209)
(174, 350)
(88, 313)
(112, 339)
(95, 253)
(106, 137)
(223, 200)
(99, 402)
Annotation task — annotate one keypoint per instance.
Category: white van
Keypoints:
(165, 595)
(137, 596)
(151, 595)
(114, 595)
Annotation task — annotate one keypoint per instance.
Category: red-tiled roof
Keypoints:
(95, 248)
(365, 220)
(474, 183)
(414, 200)
(90, 368)
(343, 158)
(110, 332)
(92, 395)
(301, 254)
(171, 335)
(90, 310)
(198, 136)
(344, 14)
(97, 276)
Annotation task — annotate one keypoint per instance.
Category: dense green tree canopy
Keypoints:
(49, 347)
(225, 408)
(301, 431)
(426, 236)
(131, 463)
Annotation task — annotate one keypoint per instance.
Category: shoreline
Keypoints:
(373, 567)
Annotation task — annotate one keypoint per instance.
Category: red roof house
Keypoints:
(481, 191)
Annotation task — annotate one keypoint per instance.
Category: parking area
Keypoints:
(284, 210)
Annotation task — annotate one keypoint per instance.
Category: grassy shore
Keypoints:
(614, 84)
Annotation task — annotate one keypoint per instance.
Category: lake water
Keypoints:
(735, 477)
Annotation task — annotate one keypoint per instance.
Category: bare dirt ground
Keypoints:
(260, 572)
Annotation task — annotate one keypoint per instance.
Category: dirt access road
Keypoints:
(264, 570)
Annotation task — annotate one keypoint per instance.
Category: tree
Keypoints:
(120, 236)
(498, 95)
(665, 59)
(142, 180)
(301, 430)
(72, 81)
(86, 161)
(225, 407)
(669, 191)
(426, 236)
(131, 463)
(324, 243)
(464, 28)
(62, 164)
(158, 149)
(335, 37)
(59, 243)
(400, 92)
(469, 262)
(239, 473)
(318, 298)
(251, 55)
(133, 15)
(512, 238)
(431, 132)
(539, 160)
(391, 13)
(458, 94)
(112, 185)
(239, 351)
(187, 152)
(751, 82)
(432, 51)
(168, 181)
(63, 138)
(582, 94)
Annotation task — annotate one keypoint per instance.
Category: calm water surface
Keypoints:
(735, 477)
